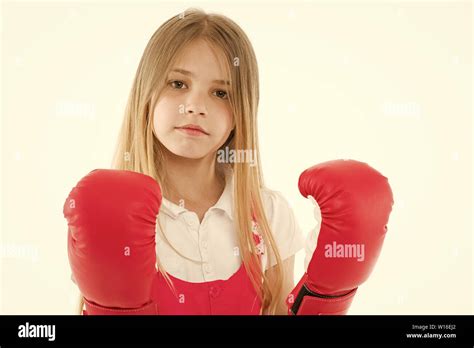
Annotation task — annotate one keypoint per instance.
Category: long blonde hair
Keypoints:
(139, 150)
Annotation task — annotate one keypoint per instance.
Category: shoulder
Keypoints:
(281, 216)
(275, 204)
(283, 224)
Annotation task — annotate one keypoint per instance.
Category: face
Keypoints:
(195, 94)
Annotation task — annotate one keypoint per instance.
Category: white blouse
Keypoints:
(210, 249)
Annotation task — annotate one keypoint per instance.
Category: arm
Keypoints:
(288, 283)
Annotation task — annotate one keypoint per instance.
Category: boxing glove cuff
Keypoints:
(94, 309)
(308, 302)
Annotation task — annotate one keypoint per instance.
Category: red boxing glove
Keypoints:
(355, 202)
(111, 218)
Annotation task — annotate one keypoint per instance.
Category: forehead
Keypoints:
(204, 60)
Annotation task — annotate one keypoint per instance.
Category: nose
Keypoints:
(196, 109)
(195, 105)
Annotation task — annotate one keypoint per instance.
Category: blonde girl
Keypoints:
(200, 71)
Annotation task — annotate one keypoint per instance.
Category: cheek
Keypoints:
(164, 115)
(225, 119)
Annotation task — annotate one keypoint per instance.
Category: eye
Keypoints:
(176, 84)
(221, 94)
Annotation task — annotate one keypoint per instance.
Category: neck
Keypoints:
(192, 180)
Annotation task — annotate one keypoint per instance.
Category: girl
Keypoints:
(194, 98)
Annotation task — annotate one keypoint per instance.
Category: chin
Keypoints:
(185, 153)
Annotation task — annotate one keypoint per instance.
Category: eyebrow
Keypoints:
(189, 73)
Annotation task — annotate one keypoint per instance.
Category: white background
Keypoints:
(387, 83)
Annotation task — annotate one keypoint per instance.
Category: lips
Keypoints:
(193, 127)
